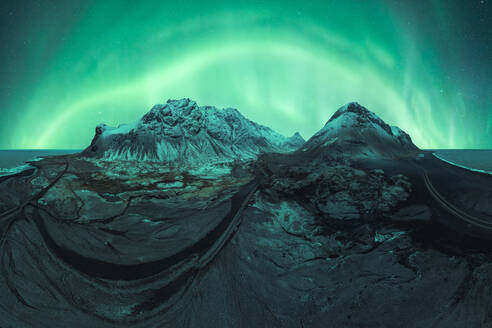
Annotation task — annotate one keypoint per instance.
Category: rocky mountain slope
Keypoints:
(355, 132)
(181, 132)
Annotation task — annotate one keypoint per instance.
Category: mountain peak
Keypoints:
(297, 135)
(172, 112)
(361, 115)
(180, 131)
(295, 141)
(356, 132)
(184, 106)
(353, 107)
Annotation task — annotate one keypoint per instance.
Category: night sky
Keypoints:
(67, 66)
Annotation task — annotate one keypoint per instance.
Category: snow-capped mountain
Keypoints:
(294, 142)
(180, 131)
(355, 132)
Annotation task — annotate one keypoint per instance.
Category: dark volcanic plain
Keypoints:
(298, 239)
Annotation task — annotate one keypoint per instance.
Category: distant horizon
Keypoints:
(11, 159)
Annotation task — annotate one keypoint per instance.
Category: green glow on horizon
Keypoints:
(289, 71)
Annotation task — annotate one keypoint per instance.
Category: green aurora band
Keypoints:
(281, 66)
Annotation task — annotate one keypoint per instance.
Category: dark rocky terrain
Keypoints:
(339, 233)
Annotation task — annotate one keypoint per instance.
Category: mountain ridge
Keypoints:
(180, 131)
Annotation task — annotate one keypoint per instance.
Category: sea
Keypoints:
(472, 159)
(14, 161)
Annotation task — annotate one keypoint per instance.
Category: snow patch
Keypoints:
(14, 170)
(380, 238)
(121, 129)
(396, 131)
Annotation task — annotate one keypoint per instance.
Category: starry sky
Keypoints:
(67, 66)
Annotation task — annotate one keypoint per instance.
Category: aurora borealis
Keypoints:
(425, 66)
